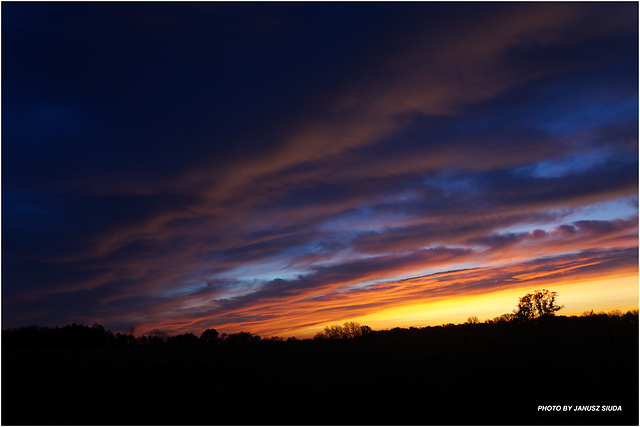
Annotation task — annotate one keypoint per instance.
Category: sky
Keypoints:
(279, 167)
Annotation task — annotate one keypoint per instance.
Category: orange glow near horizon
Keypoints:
(577, 297)
(384, 292)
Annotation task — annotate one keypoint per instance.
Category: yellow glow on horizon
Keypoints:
(599, 295)
(603, 294)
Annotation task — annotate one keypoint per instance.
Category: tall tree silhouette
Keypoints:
(537, 304)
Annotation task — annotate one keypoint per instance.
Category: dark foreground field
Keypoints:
(457, 375)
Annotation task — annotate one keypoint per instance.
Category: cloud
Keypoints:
(581, 235)
(322, 309)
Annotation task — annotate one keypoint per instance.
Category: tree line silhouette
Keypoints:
(493, 372)
(95, 336)
(72, 336)
(533, 307)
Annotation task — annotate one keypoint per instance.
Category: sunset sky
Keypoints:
(279, 167)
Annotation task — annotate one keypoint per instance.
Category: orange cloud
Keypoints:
(301, 311)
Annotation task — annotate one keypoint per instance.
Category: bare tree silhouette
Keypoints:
(348, 330)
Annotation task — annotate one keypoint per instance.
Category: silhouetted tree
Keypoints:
(503, 318)
(545, 303)
(472, 320)
(538, 304)
(333, 331)
(524, 311)
(351, 329)
(348, 330)
(364, 330)
(209, 336)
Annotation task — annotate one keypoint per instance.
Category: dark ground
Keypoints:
(458, 375)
